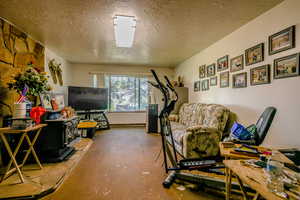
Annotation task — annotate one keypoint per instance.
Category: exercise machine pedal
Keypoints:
(169, 180)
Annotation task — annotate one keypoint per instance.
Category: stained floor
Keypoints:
(122, 165)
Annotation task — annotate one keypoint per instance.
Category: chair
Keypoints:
(263, 124)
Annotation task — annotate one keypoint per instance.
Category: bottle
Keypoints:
(275, 175)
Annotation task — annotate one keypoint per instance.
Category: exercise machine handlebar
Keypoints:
(171, 87)
(153, 84)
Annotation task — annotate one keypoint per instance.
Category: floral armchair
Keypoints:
(198, 128)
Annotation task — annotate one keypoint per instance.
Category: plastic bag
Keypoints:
(239, 132)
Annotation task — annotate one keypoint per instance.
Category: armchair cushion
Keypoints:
(199, 142)
(178, 130)
(196, 141)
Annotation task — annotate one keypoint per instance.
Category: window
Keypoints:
(127, 93)
(95, 81)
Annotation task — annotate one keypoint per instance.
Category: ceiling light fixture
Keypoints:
(124, 30)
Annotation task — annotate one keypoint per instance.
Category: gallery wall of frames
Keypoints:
(218, 74)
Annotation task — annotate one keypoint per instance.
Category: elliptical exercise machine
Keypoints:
(168, 140)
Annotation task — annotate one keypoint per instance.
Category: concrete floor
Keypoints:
(121, 165)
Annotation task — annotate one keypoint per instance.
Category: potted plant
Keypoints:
(34, 81)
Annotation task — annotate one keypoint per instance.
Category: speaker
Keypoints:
(152, 118)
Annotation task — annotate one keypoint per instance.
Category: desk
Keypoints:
(24, 132)
(230, 156)
(253, 177)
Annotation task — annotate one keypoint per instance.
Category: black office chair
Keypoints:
(263, 124)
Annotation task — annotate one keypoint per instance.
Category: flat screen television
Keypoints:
(86, 98)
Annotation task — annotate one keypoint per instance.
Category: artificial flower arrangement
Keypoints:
(30, 83)
(36, 82)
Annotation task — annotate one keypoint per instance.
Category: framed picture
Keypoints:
(224, 79)
(237, 63)
(222, 63)
(260, 75)
(205, 85)
(60, 100)
(197, 86)
(254, 54)
(281, 41)
(213, 81)
(239, 80)
(211, 70)
(287, 66)
(202, 71)
(46, 101)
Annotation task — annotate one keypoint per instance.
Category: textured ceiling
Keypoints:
(168, 31)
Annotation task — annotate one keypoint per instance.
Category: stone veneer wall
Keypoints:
(17, 50)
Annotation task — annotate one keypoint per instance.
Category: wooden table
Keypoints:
(228, 153)
(253, 177)
(24, 132)
(233, 165)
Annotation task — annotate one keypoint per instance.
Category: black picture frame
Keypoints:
(205, 85)
(222, 63)
(260, 75)
(202, 71)
(280, 38)
(224, 79)
(281, 62)
(211, 70)
(255, 53)
(197, 86)
(196, 89)
(213, 81)
(243, 84)
(234, 62)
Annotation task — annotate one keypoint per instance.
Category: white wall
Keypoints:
(248, 103)
(81, 77)
(81, 72)
(65, 67)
